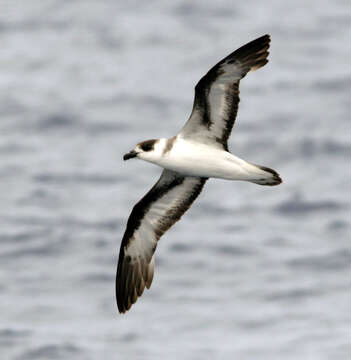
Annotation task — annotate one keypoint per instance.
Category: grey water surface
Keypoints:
(250, 272)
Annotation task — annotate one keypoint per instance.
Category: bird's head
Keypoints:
(149, 150)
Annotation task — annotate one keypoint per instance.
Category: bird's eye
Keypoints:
(147, 146)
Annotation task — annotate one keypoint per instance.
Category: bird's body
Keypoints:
(198, 152)
(193, 158)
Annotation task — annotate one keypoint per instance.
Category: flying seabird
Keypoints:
(198, 152)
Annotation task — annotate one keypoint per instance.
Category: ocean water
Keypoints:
(250, 272)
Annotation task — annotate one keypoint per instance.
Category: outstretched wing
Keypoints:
(217, 94)
(151, 217)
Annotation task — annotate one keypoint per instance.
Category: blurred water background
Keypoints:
(250, 272)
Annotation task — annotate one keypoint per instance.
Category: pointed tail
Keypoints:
(266, 176)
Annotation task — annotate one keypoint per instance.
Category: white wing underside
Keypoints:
(160, 208)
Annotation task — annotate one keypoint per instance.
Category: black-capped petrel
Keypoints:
(198, 152)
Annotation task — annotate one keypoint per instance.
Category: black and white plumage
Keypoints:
(198, 152)
(217, 93)
(151, 217)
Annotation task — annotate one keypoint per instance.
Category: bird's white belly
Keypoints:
(193, 159)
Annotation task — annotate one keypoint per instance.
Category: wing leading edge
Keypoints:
(150, 218)
(217, 94)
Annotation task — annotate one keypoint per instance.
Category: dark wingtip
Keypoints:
(254, 54)
(120, 306)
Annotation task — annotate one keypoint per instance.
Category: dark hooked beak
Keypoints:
(130, 155)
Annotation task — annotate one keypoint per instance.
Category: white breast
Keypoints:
(195, 159)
